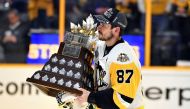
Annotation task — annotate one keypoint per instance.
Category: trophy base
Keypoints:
(52, 89)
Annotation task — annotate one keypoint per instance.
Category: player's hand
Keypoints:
(84, 97)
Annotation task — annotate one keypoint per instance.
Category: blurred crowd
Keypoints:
(170, 24)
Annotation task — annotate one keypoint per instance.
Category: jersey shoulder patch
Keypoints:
(122, 57)
(121, 53)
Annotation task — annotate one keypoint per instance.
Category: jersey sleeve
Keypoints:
(125, 79)
(125, 76)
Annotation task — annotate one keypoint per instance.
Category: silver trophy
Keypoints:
(69, 68)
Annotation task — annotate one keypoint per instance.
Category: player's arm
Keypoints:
(103, 99)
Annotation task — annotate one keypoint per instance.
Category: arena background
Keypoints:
(157, 29)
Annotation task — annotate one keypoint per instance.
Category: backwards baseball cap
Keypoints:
(113, 17)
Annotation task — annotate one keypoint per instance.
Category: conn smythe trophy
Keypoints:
(70, 68)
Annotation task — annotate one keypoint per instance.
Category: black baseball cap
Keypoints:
(113, 17)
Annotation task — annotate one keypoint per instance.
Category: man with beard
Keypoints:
(118, 69)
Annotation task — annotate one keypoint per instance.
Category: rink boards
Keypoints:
(163, 88)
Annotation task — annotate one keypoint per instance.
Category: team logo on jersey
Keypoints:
(123, 57)
(102, 73)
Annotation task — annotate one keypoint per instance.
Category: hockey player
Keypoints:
(118, 68)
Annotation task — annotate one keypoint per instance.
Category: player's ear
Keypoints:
(117, 29)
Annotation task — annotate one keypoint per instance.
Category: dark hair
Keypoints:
(15, 12)
(122, 31)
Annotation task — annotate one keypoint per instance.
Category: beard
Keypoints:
(103, 38)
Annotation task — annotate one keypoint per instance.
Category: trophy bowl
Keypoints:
(71, 67)
(67, 70)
